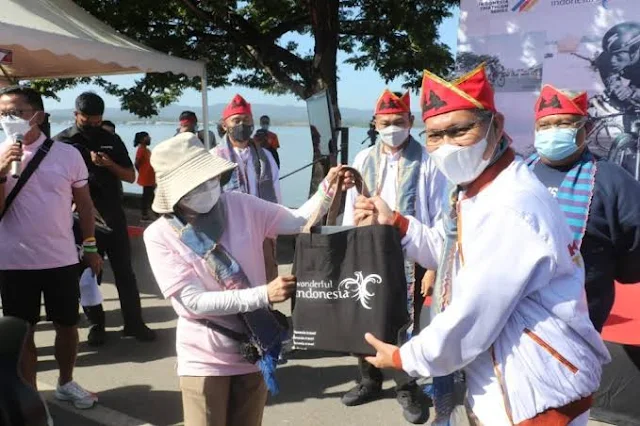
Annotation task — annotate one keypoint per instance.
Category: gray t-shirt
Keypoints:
(551, 177)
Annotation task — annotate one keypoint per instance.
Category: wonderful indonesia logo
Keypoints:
(361, 288)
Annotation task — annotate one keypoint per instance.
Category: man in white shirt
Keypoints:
(398, 169)
(257, 172)
(510, 289)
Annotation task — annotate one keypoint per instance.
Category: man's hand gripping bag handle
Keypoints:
(334, 208)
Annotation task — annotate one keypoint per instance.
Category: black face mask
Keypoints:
(89, 130)
(241, 132)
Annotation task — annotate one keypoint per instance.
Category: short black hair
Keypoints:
(138, 138)
(188, 115)
(31, 96)
(108, 123)
(90, 103)
(266, 117)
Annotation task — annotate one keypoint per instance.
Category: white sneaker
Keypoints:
(73, 392)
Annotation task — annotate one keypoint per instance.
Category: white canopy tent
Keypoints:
(57, 38)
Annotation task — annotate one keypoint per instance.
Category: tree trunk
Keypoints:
(326, 27)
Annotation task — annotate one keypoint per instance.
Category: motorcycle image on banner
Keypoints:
(591, 45)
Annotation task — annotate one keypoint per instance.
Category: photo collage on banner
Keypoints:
(591, 45)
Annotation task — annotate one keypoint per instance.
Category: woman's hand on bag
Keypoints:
(349, 180)
(281, 288)
(384, 352)
(333, 173)
(374, 207)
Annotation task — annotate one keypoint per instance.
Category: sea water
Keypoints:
(295, 152)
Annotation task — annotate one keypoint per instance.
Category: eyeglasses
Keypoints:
(565, 124)
(455, 133)
(14, 112)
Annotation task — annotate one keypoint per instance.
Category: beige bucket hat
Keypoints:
(181, 164)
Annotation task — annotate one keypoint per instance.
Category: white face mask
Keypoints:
(394, 136)
(202, 199)
(462, 164)
(13, 126)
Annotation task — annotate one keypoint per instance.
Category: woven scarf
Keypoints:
(262, 166)
(373, 174)
(575, 193)
(262, 327)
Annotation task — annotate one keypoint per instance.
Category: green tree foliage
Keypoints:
(242, 43)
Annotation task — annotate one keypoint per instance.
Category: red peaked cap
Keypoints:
(552, 101)
(471, 91)
(238, 105)
(390, 103)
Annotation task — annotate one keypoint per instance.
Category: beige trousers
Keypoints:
(223, 400)
(270, 259)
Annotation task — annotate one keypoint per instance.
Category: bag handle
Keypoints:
(227, 332)
(334, 207)
(26, 174)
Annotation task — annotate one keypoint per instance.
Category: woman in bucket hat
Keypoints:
(206, 254)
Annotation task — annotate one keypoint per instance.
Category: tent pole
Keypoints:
(205, 109)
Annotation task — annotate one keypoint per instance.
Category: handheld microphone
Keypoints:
(16, 165)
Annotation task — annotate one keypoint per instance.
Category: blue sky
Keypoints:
(356, 89)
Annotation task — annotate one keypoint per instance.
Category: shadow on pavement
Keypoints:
(69, 417)
(118, 350)
(151, 315)
(300, 382)
(160, 408)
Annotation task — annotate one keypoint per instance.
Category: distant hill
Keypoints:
(280, 115)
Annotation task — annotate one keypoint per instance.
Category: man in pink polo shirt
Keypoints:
(37, 250)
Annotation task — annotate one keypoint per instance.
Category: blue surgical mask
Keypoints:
(555, 143)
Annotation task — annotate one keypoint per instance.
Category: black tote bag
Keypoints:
(350, 281)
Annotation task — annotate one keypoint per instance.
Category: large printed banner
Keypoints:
(591, 45)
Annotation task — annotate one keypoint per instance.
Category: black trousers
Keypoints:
(614, 402)
(148, 192)
(116, 246)
(373, 375)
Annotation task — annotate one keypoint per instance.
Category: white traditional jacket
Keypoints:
(517, 323)
(431, 189)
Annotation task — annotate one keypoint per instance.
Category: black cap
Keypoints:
(188, 115)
